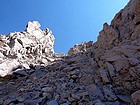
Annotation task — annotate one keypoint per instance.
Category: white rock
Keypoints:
(7, 67)
(21, 72)
(50, 59)
(33, 26)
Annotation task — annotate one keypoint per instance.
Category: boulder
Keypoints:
(136, 97)
(104, 75)
(7, 67)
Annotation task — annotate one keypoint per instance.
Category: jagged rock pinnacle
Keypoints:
(32, 45)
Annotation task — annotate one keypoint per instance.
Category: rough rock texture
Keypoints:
(106, 72)
(80, 48)
(32, 46)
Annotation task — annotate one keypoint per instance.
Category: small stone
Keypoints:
(20, 72)
(31, 102)
(109, 94)
(74, 76)
(133, 72)
(37, 74)
(42, 101)
(74, 103)
(111, 69)
(47, 89)
(136, 97)
(52, 102)
(6, 102)
(64, 104)
(76, 96)
(1, 101)
(121, 64)
(133, 61)
(63, 100)
(50, 59)
(57, 97)
(48, 95)
(71, 99)
(85, 97)
(12, 104)
(94, 92)
(67, 69)
(20, 99)
(114, 58)
(37, 67)
(104, 75)
(20, 104)
(37, 94)
(112, 103)
(98, 102)
(124, 98)
(69, 62)
(75, 72)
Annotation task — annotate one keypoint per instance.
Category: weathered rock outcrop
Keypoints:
(106, 72)
(32, 46)
(80, 48)
(117, 50)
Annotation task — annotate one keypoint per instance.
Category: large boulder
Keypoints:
(7, 67)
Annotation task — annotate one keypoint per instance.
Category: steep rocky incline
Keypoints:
(106, 72)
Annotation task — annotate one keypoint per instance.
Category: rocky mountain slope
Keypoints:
(106, 72)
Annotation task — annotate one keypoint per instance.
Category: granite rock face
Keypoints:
(106, 72)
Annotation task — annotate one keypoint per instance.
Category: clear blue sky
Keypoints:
(72, 21)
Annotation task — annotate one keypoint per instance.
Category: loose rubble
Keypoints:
(106, 72)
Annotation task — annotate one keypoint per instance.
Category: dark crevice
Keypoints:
(138, 23)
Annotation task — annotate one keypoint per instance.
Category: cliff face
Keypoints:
(118, 45)
(106, 72)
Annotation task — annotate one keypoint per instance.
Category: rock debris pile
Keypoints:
(106, 72)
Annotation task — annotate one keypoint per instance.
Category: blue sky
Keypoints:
(72, 21)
